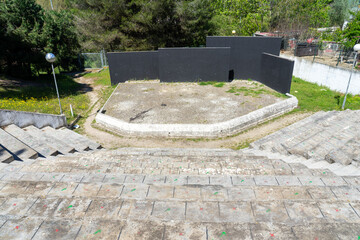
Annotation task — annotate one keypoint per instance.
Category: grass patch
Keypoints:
(254, 91)
(215, 84)
(313, 97)
(100, 78)
(43, 99)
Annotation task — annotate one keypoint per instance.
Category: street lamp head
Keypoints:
(50, 57)
(357, 47)
(233, 31)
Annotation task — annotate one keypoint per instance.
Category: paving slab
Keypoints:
(91, 178)
(229, 231)
(44, 207)
(243, 181)
(16, 206)
(63, 189)
(110, 190)
(288, 181)
(184, 230)
(114, 178)
(198, 180)
(155, 179)
(187, 193)
(134, 179)
(38, 188)
(271, 231)
(334, 181)
(13, 188)
(339, 212)
(136, 210)
(161, 192)
(52, 177)
(168, 211)
(142, 230)
(221, 180)
(265, 181)
(346, 193)
(304, 212)
(101, 229)
(268, 193)
(295, 193)
(135, 191)
(72, 208)
(315, 231)
(214, 193)
(270, 212)
(321, 193)
(241, 194)
(176, 180)
(87, 189)
(203, 212)
(311, 181)
(104, 209)
(20, 228)
(236, 212)
(58, 229)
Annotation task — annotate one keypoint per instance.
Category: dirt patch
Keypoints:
(187, 103)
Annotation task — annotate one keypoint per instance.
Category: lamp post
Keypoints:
(51, 59)
(52, 7)
(356, 49)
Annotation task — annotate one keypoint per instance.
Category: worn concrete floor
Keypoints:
(152, 102)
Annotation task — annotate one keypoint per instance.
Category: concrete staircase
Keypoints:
(30, 142)
(260, 193)
(330, 136)
(175, 194)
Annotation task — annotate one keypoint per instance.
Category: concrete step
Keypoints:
(285, 133)
(14, 146)
(64, 137)
(41, 147)
(5, 156)
(281, 134)
(81, 139)
(60, 146)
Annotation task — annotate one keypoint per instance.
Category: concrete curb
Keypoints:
(24, 119)
(215, 130)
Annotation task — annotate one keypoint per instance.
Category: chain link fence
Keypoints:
(93, 60)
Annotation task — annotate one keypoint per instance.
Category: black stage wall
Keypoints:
(194, 64)
(245, 56)
(133, 65)
(276, 72)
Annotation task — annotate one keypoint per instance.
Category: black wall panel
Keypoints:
(194, 64)
(276, 72)
(245, 56)
(133, 65)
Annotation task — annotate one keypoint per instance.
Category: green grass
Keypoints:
(313, 97)
(43, 99)
(215, 84)
(101, 78)
(254, 91)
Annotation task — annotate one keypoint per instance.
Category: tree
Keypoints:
(28, 32)
(59, 35)
(352, 31)
(339, 12)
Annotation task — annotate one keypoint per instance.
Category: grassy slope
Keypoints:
(44, 99)
(313, 97)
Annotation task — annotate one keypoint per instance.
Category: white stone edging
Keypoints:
(214, 130)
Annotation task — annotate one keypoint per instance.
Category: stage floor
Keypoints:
(152, 102)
